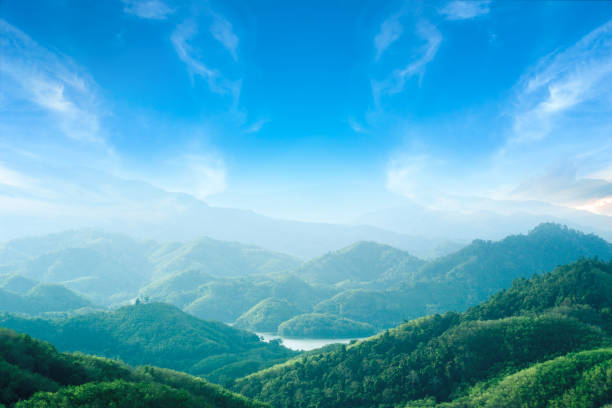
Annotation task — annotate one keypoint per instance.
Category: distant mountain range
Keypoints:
(364, 287)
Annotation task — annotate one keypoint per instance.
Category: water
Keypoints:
(303, 344)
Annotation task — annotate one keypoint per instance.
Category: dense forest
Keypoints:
(530, 332)
(33, 374)
(543, 326)
(157, 334)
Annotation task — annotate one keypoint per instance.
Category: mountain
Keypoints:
(141, 210)
(318, 325)
(33, 374)
(466, 218)
(40, 299)
(266, 315)
(107, 268)
(468, 276)
(157, 334)
(219, 259)
(362, 263)
(228, 299)
(114, 268)
(479, 355)
(585, 382)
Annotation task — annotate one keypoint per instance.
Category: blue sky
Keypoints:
(317, 110)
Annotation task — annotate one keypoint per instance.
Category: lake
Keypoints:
(303, 344)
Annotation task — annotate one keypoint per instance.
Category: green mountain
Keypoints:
(574, 380)
(444, 358)
(266, 315)
(40, 299)
(467, 277)
(362, 263)
(111, 269)
(318, 325)
(16, 283)
(33, 374)
(219, 259)
(157, 334)
(228, 299)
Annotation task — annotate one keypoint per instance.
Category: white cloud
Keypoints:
(562, 84)
(356, 126)
(217, 84)
(396, 82)
(10, 177)
(256, 126)
(48, 83)
(390, 31)
(200, 175)
(409, 175)
(221, 30)
(147, 9)
(465, 9)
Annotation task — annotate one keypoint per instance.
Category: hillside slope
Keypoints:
(160, 335)
(362, 262)
(34, 374)
(440, 357)
(467, 277)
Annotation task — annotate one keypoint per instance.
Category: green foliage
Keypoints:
(318, 325)
(361, 262)
(220, 259)
(155, 334)
(575, 380)
(468, 276)
(266, 315)
(41, 298)
(35, 374)
(442, 357)
(228, 299)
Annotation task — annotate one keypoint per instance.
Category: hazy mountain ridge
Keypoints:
(366, 282)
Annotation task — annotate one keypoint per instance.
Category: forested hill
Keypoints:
(361, 262)
(157, 334)
(33, 374)
(468, 276)
(459, 358)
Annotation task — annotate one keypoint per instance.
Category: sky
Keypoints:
(318, 111)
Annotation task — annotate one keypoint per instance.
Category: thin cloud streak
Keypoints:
(222, 31)
(49, 84)
(562, 83)
(396, 82)
(147, 9)
(216, 83)
(465, 9)
(390, 31)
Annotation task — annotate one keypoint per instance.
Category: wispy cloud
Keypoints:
(562, 185)
(147, 9)
(356, 126)
(222, 31)
(390, 31)
(256, 126)
(563, 83)
(48, 83)
(465, 9)
(396, 82)
(216, 82)
(200, 175)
